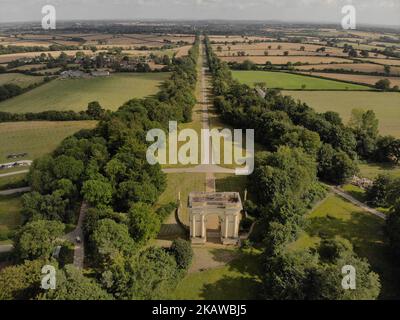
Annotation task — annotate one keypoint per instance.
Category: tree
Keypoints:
(286, 275)
(383, 84)
(378, 193)
(71, 284)
(110, 238)
(387, 69)
(144, 223)
(95, 110)
(392, 229)
(21, 282)
(153, 274)
(97, 192)
(335, 166)
(365, 127)
(37, 239)
(183, 252)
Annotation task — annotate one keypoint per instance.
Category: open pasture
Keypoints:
(384, 104)
(291, 81)
(74, 94)
(36, 137)
(19, 79)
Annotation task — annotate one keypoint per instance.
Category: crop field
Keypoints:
(384, 104)
(286, 59)
(371, 80)
(357, 67)
(390, 62)
(236, 38)
(98, 39)
(4, 58)
(292, 81)
(19, 79)
(37, 137)
(75, 94)
(338, 217)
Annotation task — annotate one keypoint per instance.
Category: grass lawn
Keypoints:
(372, 170)
(19, 79)
(75, 94)
(292, 81)
(183, 183)
(14, 181)
(384, 104)
(10, 217)
(37, 137)
(239, 279)
(338, 217)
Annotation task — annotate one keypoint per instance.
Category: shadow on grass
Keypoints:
(367, 236)
(243, 281)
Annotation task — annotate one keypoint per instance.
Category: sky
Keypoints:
(378, 12)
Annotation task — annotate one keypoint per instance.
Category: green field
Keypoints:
(338, 217)
(75, 94)
(386, 105)
(14, 181)
(20, 79)
(36, 137)
(372, 170)
(237, 280)
(10, 217)
(291, 81)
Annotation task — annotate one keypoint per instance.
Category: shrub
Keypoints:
(183, 253)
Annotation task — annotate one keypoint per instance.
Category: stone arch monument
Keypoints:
(228, 207)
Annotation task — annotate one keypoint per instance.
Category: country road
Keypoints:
(13, 173)
(14, 191)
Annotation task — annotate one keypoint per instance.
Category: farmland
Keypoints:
(36, 138)
(357, 67)
(385, 105)
(75, 94)
(370, 80)
(21, 80)
(292, 81)
(285, 60)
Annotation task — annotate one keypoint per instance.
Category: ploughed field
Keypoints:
(75, 94)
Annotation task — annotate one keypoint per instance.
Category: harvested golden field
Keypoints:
(285, 60)
(371, 80)
(278, 48)
(233, 38)
(183, 51)
(4, 58)
(358, 67)
(390, 62)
